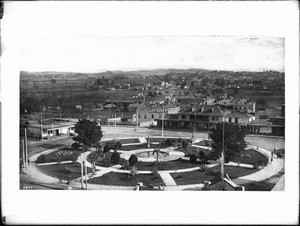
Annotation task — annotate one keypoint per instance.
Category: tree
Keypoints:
(234, 140)
(107, 147)
(115, 158)
(133, 159)
(93, 157)
(88, 133)
(193, 158)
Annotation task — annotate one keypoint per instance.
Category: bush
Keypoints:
(76, 145)
(184, 144)
(169, 142)
(154, 171)
(193, 158)
(107, 148)
(118, 145)
(124, 163)
(115, 158)
(202, 156)
(133, 160)
(227, 159)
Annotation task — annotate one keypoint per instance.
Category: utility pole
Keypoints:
(41, 125)
(23, 153)
(223, 158)
(81, 171)
(137, 118)
(85, 169)
(26, 152)
(162, 125)
(52, 131)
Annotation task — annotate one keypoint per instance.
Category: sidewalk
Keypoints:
(263, 174)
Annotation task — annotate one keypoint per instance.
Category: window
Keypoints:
(145, 116)
(152, 116)
(139, 116)
(159, 115)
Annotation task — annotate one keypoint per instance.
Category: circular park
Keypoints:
(153, 162)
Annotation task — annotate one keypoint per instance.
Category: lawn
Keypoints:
(198, 176)
(194, 177)
(235, 171)
(133, 147)
(129, 141)
(193, 150)
(121, 179)
(169, 165)
(206, 143)
(63, 171)
(52, 158)
(259, 186)
(255, 159)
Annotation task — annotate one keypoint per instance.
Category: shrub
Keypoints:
(202, 156)
(106, 162)
(204, 168)
(115, 158)
(193, 158)
(133, 172)
(125, 164)
(184, 144)
(133, 160)
(169, 142)
(118, 145)
(227, 159)
(154, 171)
(76, 145)
(107, 148)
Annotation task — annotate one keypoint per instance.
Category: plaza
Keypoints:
(175, 172)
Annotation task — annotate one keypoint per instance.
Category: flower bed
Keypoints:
(121, 179)
(133, 147)
(63, 171)
(60, 155)
(252, 157)
(170, 165)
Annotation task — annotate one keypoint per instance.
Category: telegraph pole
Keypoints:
(162, 125)
(26, 152)
(222, 158)
(85, 169)
(52, 131)
(81, 171)
(41, 125)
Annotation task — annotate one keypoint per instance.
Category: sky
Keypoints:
(103, 53)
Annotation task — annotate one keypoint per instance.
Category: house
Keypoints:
(51, 128)
(203, 117)
(242, 105)
(148, 115)
(240, 118)
(123, 103)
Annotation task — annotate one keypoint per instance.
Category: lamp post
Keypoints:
(222, 155)
(162, 125)
(137, 118)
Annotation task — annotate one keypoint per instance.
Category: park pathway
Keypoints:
(168, 180)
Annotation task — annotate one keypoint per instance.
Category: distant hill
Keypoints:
(106, 74)
(159, 71)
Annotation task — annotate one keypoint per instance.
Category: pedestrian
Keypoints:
(271, 159)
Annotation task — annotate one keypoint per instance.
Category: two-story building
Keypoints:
(242, 105)
(149, 115)
(203, 117)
